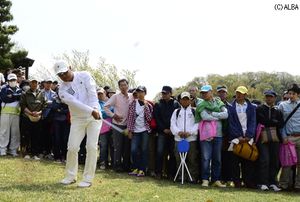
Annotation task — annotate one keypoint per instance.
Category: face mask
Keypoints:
(12, 84)
(25, 88)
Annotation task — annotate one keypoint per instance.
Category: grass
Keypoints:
(28, 180)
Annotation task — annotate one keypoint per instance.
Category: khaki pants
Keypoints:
(9, 132)
(80, 128)
(286, 171)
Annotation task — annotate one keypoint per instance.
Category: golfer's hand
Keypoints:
(117, 118)
(96, 114)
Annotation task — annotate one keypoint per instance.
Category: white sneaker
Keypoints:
(3, 153)
(264, 187)
(218, 184)
(84, 184)
(27, 157)
(36, 158)
(13, 153)
(66, 181)
(204, 183)
(275, 187)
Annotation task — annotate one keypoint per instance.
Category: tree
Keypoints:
(103, 73)
(8, 55)
(256, 82)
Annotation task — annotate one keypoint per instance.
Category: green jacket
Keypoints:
(34, 101)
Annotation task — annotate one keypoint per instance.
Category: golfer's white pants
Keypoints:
(9, 132)
(80, 128)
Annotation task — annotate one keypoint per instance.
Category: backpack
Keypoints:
(178, 111)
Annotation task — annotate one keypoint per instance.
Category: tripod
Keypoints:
(183, 148)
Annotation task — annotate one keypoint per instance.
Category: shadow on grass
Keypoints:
(52, 188)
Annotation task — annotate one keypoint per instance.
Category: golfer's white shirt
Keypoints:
(80, 95)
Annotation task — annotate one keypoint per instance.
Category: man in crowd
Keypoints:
(163, 111)
(120, 103)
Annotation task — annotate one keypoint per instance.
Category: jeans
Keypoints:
(152, 152)
(268, 163)
(211, 159)
(60, 138)
(121, 149)
(139, 150)
(165, 148)
(106, 146)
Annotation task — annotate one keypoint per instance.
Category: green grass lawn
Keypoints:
(28, 180)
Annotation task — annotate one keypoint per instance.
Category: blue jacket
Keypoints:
(235, 127)
(9, 95)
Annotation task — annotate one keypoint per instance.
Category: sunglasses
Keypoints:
(62, 73)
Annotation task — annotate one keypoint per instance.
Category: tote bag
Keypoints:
(207, 129)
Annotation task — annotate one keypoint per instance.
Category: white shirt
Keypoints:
(185, 122)
(242, 115)
(80, 95)
(139, 125)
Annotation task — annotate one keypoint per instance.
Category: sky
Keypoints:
(169, 42)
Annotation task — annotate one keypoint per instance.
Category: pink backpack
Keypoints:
(207, 129)
(288, 154)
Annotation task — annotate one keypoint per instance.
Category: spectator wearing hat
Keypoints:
(242, 128)
(163, 111)
(10, 110)
(106, 143)
(139, 117)
(47, 119)
(195, 101)
(110, 92)
(211, 109)
(226, 172)
(120, 103)
(291, 133)
(271, 119)
(183, 127)
(55, 86)
(32, 104)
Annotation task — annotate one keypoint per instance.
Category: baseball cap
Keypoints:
(206, 88)
(100, 90)
(221, 88)
(110, 90)
(185, 94)
(295, 88)
(270, 92)
(48, 80)
(11, 77)
(242, 89)
(60, 67)
(166, 89)
(30, 79)
(141, 88)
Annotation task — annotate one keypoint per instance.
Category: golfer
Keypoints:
(78, 91)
